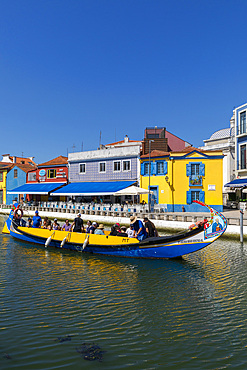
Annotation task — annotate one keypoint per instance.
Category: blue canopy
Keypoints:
(36, 188)
(237, 183)
(93, 188)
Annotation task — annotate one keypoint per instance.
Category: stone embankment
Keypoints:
(163, 221)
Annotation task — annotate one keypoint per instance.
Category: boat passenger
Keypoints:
(66, 226)
(93, 228)
(77, 225)
(114, 231)
(150, 228)
(140, 231)
(89, 224)
(45, 223)
(29, 222)
(123, 232)
(49, 225)
(36, 222)
(99, 230)
(130, 231)
(55, 225)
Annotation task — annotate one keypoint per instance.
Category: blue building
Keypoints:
(16, 177)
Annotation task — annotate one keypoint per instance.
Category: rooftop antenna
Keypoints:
(73, 147)
(22, 154)
(115, 135)
(99, 138)
(82, 146)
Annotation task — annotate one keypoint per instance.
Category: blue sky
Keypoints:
(72, 68)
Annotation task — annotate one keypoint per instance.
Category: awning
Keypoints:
(36, 188)
(237, 183)
(133, 190)
(93, 188)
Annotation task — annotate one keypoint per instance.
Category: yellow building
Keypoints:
(4, 168)
(178, 178)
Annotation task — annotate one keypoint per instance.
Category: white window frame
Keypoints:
(126, 160)
(105, 167)
(114, 166)
(240, 126)
(80, 172)
(239, 156)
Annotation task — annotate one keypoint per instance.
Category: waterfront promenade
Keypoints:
(162, 220)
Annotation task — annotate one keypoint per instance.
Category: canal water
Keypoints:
(143, 314)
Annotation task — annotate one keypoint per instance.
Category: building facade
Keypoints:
(178, 178)
(4, 169)
(16, 177)
(224, 140)
(43, 180)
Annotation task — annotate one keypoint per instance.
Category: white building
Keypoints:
(224, 140)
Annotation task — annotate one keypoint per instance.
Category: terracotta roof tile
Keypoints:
(25, 167)
(56, 161)
(156, 153)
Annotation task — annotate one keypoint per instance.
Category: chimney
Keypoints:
(126, 139)
(6, 158)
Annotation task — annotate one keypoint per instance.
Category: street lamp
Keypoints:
(149, 172)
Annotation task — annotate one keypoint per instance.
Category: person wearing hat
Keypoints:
(130, 231)
(77, 225)
(139, 228)
(93, 228)
(115, 230)
(36, 222)
(99, 230)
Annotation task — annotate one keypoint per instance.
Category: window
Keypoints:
(1, 176)
(32, 176)
(82, 168)
(160, 168)
(51, 174)
(126, 165)
(195, 169)
(242, 128)
(102, 167)
(117, 166)
(242, 157)
(195, 195)
(146, 167)
(15, 174)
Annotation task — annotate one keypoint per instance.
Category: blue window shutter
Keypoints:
(189, 197)
(202, 196)
(188, 169)
(202, 169)
(142, 169)
(153, 168)
(165, 167)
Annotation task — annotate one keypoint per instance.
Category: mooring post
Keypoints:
(241, 226)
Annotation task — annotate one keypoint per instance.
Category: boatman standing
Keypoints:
(78, 224)
(36, 220)
(139, 228)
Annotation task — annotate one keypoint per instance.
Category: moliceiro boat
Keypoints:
(197, 237)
